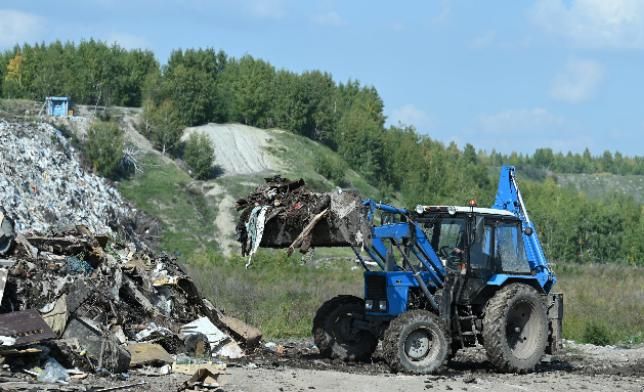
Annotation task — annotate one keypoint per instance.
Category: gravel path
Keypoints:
(293, 379)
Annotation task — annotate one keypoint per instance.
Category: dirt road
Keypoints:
(293, 379)
(578, 367)
(296, 367)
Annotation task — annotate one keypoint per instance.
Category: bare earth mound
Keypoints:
(239, 149)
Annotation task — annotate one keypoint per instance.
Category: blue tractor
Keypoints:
(442, 278)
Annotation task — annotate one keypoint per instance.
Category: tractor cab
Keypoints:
(477, 242)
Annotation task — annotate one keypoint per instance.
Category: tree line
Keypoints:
(90, 72)
(545, 158)
(205, 85)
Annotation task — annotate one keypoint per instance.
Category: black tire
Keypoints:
(415, 342)
(333, 332)
(515, 328)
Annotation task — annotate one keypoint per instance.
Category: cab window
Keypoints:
(447, 237)
(509, 250)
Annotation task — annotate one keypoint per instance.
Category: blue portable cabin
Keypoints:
(58, 106)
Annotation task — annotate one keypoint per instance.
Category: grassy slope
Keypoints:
(596, 185)
(168, 193)
(300, 153)
(604, 184)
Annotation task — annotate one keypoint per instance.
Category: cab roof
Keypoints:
(422, 209)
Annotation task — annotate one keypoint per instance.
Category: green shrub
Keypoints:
(332, 169)
(597, 334)
(199, 155)
(104, 148)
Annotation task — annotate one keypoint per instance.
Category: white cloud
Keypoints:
(577, 82)
(521, 121)
(330, 18)
(593, 23)
(411, 115)
(266, 9)
(128, 41)
(17, 27)
(444, 11)
(525, 130)
(483, 40)
(397, 26)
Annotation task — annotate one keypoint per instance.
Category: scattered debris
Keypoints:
(144, 354)
(7, 233)
(56, 315)
(247, 333)
(220, 343)
(103, 307)
(25, 327)
(53, 372)
(3, 281)
(103, 350)
(126, 386)
(191, 368)
(203, 379)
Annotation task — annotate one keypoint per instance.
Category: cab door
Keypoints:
(481, 241)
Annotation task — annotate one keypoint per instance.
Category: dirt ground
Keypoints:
(578, 367)
(296, 367)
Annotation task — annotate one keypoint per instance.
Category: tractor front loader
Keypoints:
(441, 278)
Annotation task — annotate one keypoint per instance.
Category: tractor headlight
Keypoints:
(368, 304)
(382, 305)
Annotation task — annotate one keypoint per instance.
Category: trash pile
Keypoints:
(44, 185)
(74, 303)
(284, 213)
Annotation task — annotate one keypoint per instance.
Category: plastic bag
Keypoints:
(53, 372)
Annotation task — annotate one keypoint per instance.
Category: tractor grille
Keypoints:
(376, 287)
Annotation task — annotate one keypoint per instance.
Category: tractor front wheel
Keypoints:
(334, 332)
(415, 342)
(515, 328)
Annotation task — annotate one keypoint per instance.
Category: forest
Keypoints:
(196, 86)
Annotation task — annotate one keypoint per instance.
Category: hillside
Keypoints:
(605, 184)
(200, 215)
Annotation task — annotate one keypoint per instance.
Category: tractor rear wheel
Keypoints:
(415, 342)
(334, 332)
(515, 328)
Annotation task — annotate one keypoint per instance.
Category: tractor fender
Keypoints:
(501, 280)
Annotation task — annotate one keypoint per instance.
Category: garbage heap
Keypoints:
(43, 183)
(86, 303)
(285, 214)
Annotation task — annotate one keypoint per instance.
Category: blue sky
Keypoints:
(509, 75)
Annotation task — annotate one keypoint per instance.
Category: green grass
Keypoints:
(602, 303)
(278, 294)
(164, 191)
